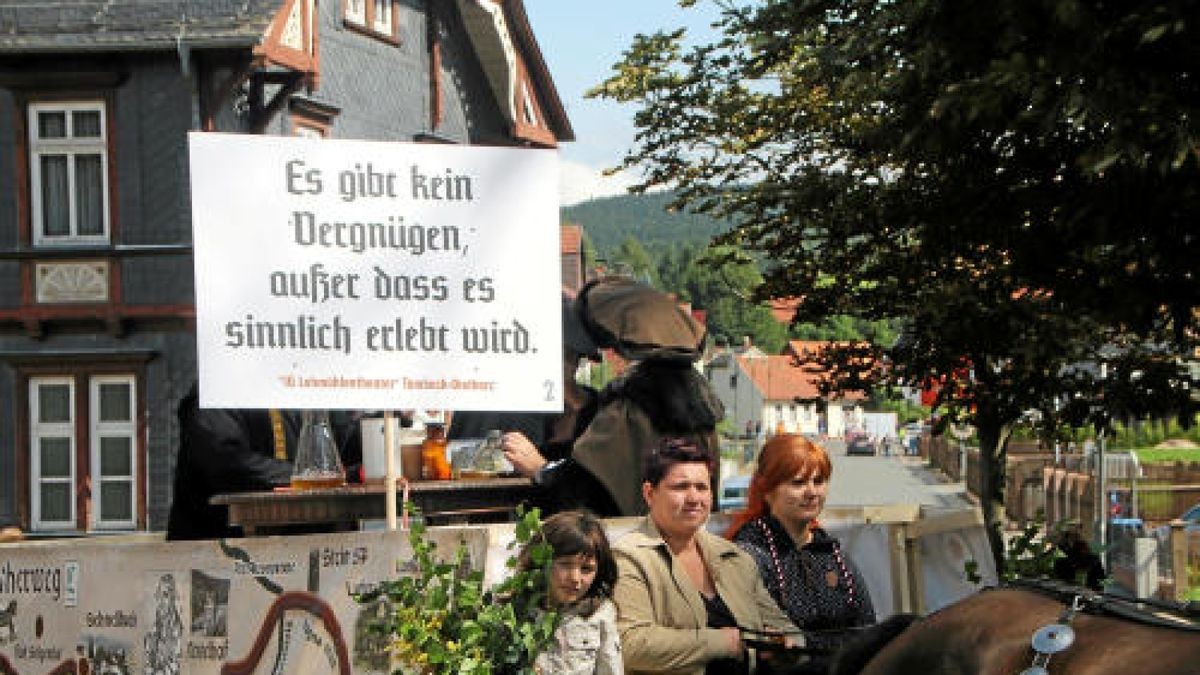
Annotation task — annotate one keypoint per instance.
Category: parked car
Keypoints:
(859, 443)
(1192, 515)
(1191, 520)
(734, 491)
(1126, 528)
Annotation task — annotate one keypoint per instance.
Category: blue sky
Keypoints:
(580, 41)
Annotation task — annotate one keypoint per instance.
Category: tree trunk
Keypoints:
(993, 445)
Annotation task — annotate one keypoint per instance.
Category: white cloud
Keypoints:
(579, 182)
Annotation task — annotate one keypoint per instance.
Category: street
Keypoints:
(878, 480)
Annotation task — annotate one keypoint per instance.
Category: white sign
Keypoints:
(371, 275)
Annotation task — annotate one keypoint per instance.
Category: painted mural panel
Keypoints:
(285, 605)
(276, 605)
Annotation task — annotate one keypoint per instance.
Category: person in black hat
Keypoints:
(660, 393)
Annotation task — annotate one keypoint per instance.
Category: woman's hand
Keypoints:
(795, 641)
(778, 640)
(523, 454)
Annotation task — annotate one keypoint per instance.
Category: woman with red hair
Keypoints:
(804, 568)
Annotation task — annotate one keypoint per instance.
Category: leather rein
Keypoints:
(1149, 612)
(1059, 636)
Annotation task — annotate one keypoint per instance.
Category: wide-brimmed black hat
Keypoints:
(575, 336)
(638, 321)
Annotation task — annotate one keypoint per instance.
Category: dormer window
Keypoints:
(373, 17)
(382, 20)
(356, 12)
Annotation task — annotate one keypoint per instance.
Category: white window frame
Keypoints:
(39, 430)
(69, 146)
(359, 17)
(375, 17)
(302, 130)
(98, 430)
(384, 21)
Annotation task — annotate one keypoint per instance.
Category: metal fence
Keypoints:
(1160, 562)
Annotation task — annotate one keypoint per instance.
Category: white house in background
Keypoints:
(765, 392)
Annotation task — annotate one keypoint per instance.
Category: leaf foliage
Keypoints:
(1015, 184)
(441, 618)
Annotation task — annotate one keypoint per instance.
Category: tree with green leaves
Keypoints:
(843, 328)
(1016, 184)
(633, 258)
(724, 293)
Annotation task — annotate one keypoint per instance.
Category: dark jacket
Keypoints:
(224, 450)
(653, 400)
(816, 585)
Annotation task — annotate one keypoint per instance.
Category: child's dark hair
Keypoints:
(671, 451)
(573, 533)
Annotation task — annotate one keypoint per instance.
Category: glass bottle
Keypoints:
(317, 464)
(433, 453)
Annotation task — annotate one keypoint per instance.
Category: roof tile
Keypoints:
(110, 25)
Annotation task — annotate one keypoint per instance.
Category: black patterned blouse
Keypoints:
(816, 585)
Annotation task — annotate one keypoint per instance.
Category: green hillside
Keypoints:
(610, 220)
(664, 253)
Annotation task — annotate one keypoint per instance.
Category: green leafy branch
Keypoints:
(442, 619)
(1030, 554)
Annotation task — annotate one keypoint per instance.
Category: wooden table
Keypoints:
(345, 508)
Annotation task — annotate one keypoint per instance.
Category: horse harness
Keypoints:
(1058, 636)
(1053, 638)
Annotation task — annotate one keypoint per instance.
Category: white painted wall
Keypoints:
(743, 402)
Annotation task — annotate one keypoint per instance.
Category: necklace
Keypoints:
(851, 597)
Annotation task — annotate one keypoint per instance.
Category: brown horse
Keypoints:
(990, 633)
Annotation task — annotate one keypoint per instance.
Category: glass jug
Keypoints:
(317, 464)
(490, 458)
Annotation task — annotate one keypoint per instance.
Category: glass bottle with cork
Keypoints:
(433, 452)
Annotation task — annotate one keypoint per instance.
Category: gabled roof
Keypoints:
(65, 26)
(777, 377)
(552, 104)
(507, 49)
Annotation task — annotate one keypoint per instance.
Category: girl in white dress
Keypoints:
(581, 579)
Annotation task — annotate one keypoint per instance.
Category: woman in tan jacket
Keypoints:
(684, 595)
